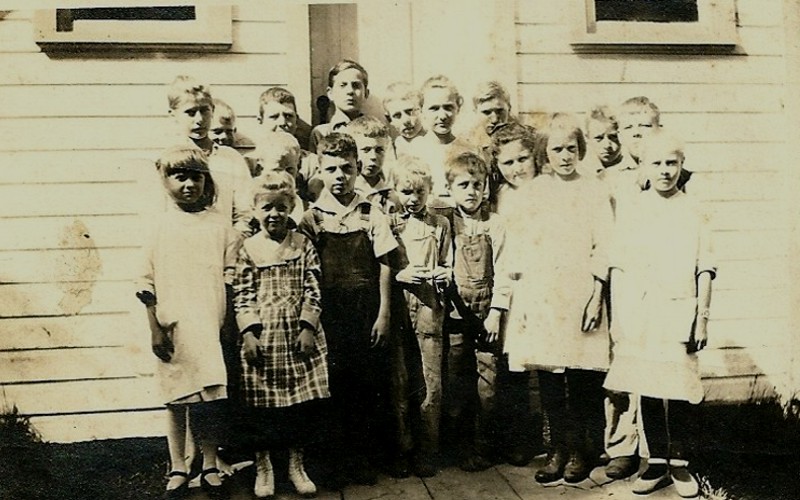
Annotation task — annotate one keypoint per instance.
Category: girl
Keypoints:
(514, 152)
(555, 324)
(284, 367)
(662, 271)
(183, 287)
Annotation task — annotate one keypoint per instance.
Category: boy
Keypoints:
(353, 239)
(425, 238)
(492, 104)
(192, 108)
(441, 103)
(373, 143)
(638, 117)
(223, 129)
(602, 132)
(277, 111)
(348, 91)
(478, 299)
(402, 105)
(279, 152)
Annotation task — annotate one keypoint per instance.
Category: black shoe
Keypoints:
(475, 463)
(553, 469)
(622, 467)
(214, 492)
(577, 468)
(182, 490)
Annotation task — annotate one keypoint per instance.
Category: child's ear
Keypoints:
(460, 102)
(328, 94)
(359, 164)
(366, 92)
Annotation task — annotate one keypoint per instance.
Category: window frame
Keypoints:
(211, 30)
(714, 32)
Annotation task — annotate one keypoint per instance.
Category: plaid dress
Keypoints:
(277, 285)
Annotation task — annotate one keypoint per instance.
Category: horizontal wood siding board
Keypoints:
(52, 266)
(744, 304)
(555, 39)
(39, 366)
(48, 233)
(88, 166)
(89, 100)
(70, 199)
(746, 333)
(84, 396)
(89, 427)
(752, 274)
(142, 68)
(674, 98)
(50, 299)
(728, 362)
(606, 68)
(73, 331)
(743, 389)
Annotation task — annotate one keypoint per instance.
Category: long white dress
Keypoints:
(659, 247)
(555, 251)
(184, 267)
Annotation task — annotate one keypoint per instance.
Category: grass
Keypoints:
(746, 452)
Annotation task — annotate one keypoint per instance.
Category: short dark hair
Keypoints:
(188, 158)
(275, 94)
(367, 126)
(338, 145)
(465, 161)
(347, 64)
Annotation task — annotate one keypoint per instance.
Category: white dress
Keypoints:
(555, 250)
(659, 247)
(184, 267)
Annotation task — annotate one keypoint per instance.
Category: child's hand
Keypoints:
(161, 341)
(699, 338)
(492, 325)
(305, 342)
(380, 332)
(252, 354)
(441, 276)
(413, 275)
(593, 313)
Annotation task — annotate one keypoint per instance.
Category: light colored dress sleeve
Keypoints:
(501, 292)
(311, 308)
(245, 292)
(145, 280)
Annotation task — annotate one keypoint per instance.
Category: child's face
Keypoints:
(493, 113)
(663, 168)
(412, 195)
(185, 186)
(439, 110)
(272, 211)
(604, 140)
(467, 191)
(338, 174)
(371, 154)
(193, 117)
(633, 128)
(222, 131)
(279, 116)
(285, 162)
(562, 153)
(348, 92)
(404, 117)
(516, 163)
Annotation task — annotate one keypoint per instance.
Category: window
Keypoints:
(160, 28)
(655, 25)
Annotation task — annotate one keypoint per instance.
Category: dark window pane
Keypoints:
(658, 11)
(65, 17)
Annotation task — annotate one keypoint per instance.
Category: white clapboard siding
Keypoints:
(80, 134)
(730, 111)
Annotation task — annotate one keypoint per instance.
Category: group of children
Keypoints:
(384, 294)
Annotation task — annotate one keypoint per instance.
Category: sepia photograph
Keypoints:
(399, 249)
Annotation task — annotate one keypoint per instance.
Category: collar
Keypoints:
(366, 190)
(479, 215)
(339, 119)
(265, 252)
(328, 203)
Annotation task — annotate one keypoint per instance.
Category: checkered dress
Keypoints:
(280, 290)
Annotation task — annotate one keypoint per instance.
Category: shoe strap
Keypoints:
(656, 461)
(678, 462)
(176, 473)
(210, 470)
